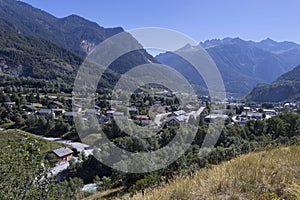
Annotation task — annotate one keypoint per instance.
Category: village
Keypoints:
(160, 109)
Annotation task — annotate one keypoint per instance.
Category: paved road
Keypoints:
(59, 168)
(158, 118)
(195, 114)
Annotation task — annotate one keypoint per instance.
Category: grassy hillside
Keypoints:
(271, 174)
(24, 171)
(23, 55)
(15, 136)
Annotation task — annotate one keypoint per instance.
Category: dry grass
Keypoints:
(105, 194)
(272, 174)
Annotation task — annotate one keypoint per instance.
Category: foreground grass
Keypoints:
(272, 174)
(107, 194)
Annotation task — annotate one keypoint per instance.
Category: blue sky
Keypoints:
(199, 19)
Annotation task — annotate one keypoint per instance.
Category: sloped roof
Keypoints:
(70, 114)
(31, 107)
(45, 111)
(64, 151)
(179, 112)
(57, 103)
(214, 116)
(189, 106)
(9, 103)
(177, 118)
(132, 109)
(142, 117)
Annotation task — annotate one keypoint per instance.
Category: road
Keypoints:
(158, 118)
(59, 168)
(195, 114)
(77, 145)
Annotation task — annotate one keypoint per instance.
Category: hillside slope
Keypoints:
(10, 136)
(72, 32)
(36, 44)
(285, 88)
(272, 174)
(24, 55)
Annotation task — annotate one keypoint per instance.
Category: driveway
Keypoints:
(158, 118)
(76, 145)
(59, 168)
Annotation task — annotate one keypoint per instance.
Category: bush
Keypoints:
(149, 181)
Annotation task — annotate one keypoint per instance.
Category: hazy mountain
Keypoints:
(276, 47)
(286, 87)
(242, 64)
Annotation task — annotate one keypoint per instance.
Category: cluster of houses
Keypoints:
(56, 109)
(173, 115)
(176, 118)
(253, 114)
(256, 112)
(53, 110)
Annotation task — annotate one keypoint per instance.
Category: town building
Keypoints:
(64, 154)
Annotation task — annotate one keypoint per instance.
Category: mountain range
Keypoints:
(242, 64)
(37, 44)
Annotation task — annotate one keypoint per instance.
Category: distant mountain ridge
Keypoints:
(285, 88)
(276, 47)
(242, 64)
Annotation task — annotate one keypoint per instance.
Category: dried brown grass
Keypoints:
(272, 174)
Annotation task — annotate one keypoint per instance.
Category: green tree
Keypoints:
(20, 121)
(31, 120)
(97, 180)
(23, 171)
(276, 127)
(267, 105)
(106, 183)
(23, 100)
